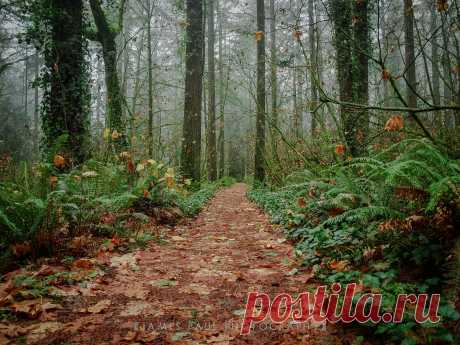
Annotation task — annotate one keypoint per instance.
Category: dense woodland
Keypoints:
(342, 116)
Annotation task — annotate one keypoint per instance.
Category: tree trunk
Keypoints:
(259, 166)
(191, 146)
(435, 57)
(361, 73)
(274, 80)
(341, 17)
(410, 75)
(66, 114)
(36, 104)
(106, 36)
(211, 146)
(314, 66)
(150, 80)
(221, 141)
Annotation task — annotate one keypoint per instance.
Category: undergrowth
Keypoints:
(389, 222)
(45, 206)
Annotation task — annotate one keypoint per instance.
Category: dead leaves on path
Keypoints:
(201, 272)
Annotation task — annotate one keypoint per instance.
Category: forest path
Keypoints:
(193, 289)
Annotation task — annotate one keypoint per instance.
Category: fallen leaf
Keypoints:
(83, 264)
(163, 283)
(99, 307)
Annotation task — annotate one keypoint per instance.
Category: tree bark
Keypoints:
(221, 140)
(341, 17)
(211, 146)
(36, 104)
(259, 166)
(361, 73)
(150, 80)
(106, 35)
(410, 75)
(66, 115)
(191, 146)
(274, 80)
(314, 66)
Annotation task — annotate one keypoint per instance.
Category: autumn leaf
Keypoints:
(297, 35)
(339, 266)
(130, 166)
(442, 5)
(116, 135)
(301, 203)
(59, 161)
(99, 307)
(21, 249)
(340, 149)
(395, 123)
(386, 75)
(259, 35)
(53, 181)
(83, 264)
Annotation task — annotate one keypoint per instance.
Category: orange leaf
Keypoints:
(259, 35)
(339, 266)
(146, 194)
(21, 249)
(340, 150)
(59, 161)
(386, 75)
(297, 35)
(301, 202)
(442, 5)
(53, 181)
(130, 167)
(83, 263)
(395, 123)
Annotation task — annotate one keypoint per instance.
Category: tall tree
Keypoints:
(409, 52)
(341, 18)
(259, 166)
(36, 102)
(361, 71)
(273, 79)
(211, 145)
(65, 112)
(352, 67)
(106, 34)
(435, 55)
(191, 144)
(150, 77)
(221, 140)
(314, 64)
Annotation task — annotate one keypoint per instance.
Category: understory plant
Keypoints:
(389, 222)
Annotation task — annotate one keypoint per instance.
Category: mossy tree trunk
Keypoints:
(211, 145)
(106, 35)
(65, 118)
(191, 144)
(259, 166)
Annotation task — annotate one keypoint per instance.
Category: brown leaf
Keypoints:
(20, 250)
(99, 307)
(59, 161)
(301, 203)
(259, 35)
(83, 264)
(395, 123)
(29, 308)
(340, 150)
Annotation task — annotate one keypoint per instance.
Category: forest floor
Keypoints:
(189, 289)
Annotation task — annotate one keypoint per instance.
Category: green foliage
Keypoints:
(192, 203)
(385, 221)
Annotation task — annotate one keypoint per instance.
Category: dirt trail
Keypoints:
(192, 289)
